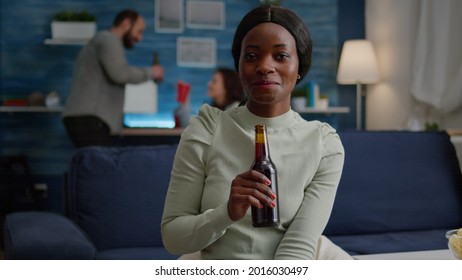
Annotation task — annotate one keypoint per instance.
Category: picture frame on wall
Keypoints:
(168, 16)
(205, 14)
(196, 52)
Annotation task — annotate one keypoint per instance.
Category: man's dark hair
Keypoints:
(122, 15)
(287, 19)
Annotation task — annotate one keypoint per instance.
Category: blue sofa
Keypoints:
(114, 198)
(399, 191)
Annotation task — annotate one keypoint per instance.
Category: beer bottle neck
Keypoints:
(261, 144)
(155, 59)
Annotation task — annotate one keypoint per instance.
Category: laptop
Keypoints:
(141, 107)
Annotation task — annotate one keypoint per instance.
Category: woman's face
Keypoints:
(268, 68)
(216, 89)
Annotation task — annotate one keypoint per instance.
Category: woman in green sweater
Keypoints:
(212, 188)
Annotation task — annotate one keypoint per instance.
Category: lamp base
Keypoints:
(358, 107)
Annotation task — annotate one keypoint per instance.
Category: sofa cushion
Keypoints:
(34, 235)
(392, 242)
(116, 195)
(397, 181)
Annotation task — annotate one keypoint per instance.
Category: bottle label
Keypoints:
(266, 216)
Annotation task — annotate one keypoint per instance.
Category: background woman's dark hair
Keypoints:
(127, 13)
(287, 19)
(232, 85)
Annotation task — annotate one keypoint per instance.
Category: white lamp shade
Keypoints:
(358, 64)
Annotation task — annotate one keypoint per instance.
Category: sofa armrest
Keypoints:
(44, 235)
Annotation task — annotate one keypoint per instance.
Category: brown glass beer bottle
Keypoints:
(155, 61)
(266, 216)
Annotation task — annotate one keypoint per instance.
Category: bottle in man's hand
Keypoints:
(158, 71)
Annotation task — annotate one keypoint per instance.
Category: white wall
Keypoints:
(391, 30)
(391, 26)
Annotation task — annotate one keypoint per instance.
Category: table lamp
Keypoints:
(358, 65)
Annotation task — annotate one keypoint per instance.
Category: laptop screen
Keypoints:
(143, 120)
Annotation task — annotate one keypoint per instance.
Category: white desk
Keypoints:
(151, 132)
(417, 255)
(30, 109)
(328, 110)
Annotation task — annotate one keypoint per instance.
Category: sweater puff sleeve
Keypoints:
(300, 240)
(184, 228)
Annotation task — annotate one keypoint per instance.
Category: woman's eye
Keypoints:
(249, 56)
(282, 56)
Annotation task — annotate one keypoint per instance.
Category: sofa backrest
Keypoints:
(116, 195)
(397, 181)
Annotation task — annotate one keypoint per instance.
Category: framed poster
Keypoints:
(168, 16)
(205, 14)
(196, 52)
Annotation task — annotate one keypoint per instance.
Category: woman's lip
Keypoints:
(264, 83)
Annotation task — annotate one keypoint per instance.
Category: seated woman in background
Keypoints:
(225, 89)
(206, 213)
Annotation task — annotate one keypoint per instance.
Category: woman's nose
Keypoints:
(266, 66)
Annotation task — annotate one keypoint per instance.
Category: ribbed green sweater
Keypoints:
(218, 145)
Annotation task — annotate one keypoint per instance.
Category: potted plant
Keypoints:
(73, 25)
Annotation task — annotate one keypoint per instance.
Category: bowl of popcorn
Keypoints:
(455, 242)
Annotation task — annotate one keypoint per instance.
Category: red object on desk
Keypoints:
(15, 102)
(182, 91)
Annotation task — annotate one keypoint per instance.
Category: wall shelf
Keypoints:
(65, 41)
(151, 132)
(329, 110)
(30, 109)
